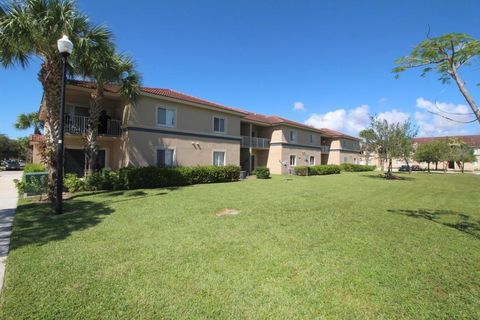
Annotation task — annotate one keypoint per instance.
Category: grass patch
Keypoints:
(336, 247)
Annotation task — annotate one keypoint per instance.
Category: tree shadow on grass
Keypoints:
(35, 223)
(449, 218)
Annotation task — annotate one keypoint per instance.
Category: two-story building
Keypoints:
(167, 128)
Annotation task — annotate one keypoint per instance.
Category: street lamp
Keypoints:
(65, 47)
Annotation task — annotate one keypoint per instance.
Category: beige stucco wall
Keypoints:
(188, 118)
(36, 157)
(142, 146)
(282, 134)
(111, 145)
(114, 107)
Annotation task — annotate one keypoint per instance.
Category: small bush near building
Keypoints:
(72, 183)
(317, 170)
(262, 172)
(34, 167)
(35, 183)
(349, 167)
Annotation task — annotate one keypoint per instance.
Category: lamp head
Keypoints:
(65, 46)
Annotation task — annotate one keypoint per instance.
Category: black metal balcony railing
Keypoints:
(79, 125)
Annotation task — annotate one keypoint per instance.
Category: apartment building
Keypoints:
(471, 140)
(167, 128)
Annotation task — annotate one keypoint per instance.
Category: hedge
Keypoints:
(356, 167)
(262, 172)
(317, 170)
(154, 177)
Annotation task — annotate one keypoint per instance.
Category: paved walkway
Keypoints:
(8, 204)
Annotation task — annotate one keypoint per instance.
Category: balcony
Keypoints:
(255, 142)
(325, 149)
(79, 125)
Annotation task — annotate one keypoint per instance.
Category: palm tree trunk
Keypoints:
(91, 145)
(50, 76)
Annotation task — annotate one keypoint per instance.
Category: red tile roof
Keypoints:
(270, 120)
(471, 140)
(338, 134)
(159, 92)
(36, 138)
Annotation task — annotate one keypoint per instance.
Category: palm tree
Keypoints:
(29, 120)
(111, 69)
(31, 28)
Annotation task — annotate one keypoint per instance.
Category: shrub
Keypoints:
(34, 167)
(73, 183)
(317, 170)
(35, 184)
(349, 167)
(262, 172)
(104, 180)
(154, 177)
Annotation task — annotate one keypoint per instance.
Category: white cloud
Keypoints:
(298, 106)
(394, 116)
(357, 119)
(333, 120)
(353, 120)
(430, 123)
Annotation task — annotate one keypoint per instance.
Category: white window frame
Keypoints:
(310, 162)
(224, 156)
(166, 108)
(224, 124)
(290, 135)
(290, 160)
(174, 156)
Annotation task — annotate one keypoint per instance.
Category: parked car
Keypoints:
(12, 165)
(416, 168)
(404, 168)
(22, 164)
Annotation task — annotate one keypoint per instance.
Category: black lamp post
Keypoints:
(65, 47)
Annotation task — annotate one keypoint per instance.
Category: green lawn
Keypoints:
(335, 247)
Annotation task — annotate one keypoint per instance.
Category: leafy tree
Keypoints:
(427, 152)
(367, 146)
(31, 28)
(461, 152)
(389, 140)
(29, 120)
(444, 55)
(13, 148)
(106, 69)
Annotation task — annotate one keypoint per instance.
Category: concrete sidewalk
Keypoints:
(8, 204)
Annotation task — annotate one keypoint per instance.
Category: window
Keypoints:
(293, 136)
(311, 139)
(218, 124)
(312, 160)
(165, 157)
(345, 160)
(73, 110)
(293, 160)
(166, 117)
(218, 158)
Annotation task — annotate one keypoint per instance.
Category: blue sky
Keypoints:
(330, 59)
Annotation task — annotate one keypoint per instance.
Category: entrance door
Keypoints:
(451, 164)
(252, 161)
(74, 161)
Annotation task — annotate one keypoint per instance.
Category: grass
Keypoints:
(336, 247)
